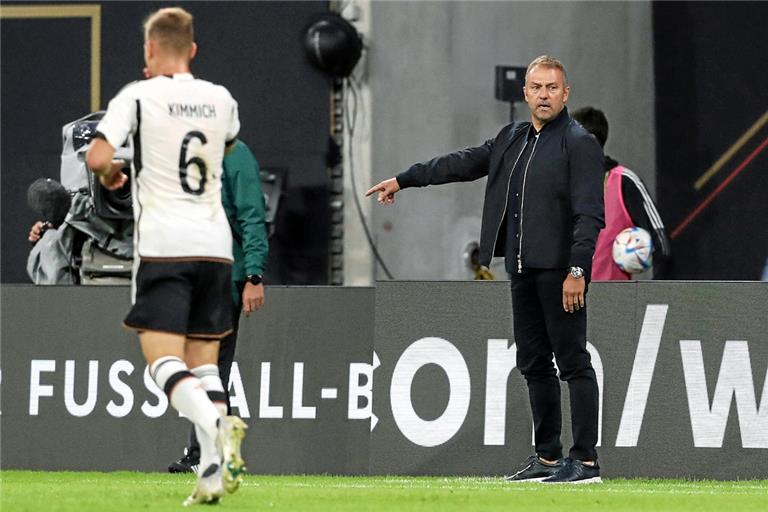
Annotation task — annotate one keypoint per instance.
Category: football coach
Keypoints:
(543, 211)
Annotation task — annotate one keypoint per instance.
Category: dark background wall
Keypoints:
(711, 86)
(254, 48)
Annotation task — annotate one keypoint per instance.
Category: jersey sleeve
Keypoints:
(234, 123)
(120, 120)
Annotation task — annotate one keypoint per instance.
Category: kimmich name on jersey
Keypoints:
(186, 110)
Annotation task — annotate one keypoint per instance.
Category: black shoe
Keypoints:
(187, 464)
(534, 470)
(575, 472)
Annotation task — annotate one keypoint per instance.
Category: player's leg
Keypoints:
(201, 356)
(234, 464)
(191, 459)
(211, 319)
(225, 447)
(164, 296)
(208, 373)
(165, 353)
(163, 293)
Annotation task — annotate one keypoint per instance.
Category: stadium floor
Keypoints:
(127, 491)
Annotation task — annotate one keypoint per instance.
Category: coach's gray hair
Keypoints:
(547, 62)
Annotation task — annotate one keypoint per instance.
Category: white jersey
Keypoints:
(180, 127)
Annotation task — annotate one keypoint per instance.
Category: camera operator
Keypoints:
(50, 260)
(74, 245)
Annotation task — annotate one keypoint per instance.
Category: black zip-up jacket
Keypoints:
(562, 199)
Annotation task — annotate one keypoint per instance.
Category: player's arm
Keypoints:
(120, 120)
(100, 161)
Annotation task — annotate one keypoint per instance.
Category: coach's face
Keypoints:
(546, 94)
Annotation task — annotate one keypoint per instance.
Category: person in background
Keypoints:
(627, 204)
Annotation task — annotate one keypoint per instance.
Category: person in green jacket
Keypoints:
(243, 202)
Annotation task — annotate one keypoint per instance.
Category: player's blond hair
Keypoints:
(171, 28)
(547, 62)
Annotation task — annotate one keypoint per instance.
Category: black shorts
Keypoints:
(188, 297)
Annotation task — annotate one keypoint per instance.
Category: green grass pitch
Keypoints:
(125, 491)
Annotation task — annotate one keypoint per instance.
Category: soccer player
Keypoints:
(182, 304)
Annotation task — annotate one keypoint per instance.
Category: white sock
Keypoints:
(186, 393)
(209, 376)
(211, 381)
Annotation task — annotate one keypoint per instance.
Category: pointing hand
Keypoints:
(386, 189)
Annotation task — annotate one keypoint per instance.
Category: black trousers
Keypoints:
(542, 328)
(226, 357)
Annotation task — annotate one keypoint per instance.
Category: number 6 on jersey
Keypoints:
(199, 162)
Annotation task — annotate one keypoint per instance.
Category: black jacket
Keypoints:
(562, 202)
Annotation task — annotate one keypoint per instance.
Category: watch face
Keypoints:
(577, 272)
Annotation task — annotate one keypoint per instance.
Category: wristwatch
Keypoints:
(255, 279)
(576, 272)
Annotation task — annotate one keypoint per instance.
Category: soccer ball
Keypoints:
(632, 250)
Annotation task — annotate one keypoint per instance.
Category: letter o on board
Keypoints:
(441, 429)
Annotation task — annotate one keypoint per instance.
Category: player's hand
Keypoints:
(116, 178)
(386, 189)
(37, 230)
(573, 293)
(253, 297)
